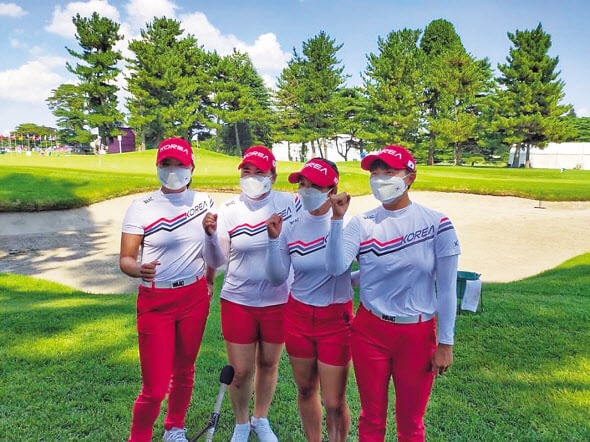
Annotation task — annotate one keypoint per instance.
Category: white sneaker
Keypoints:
(175, 434)
(241, 433)
(261, 427)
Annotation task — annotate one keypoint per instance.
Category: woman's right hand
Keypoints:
(274, 225)
(340, 204)
(147, 271)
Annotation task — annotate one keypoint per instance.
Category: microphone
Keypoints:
(225, 378)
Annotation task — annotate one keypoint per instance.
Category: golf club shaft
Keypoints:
(216, 409)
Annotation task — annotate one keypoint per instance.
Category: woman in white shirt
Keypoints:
(173, 300)
(319, 311)
(402, 249)
(251, 307)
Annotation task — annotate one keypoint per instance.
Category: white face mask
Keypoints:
(174, 177)
(311, 199)
(255, 186)
(388, 189)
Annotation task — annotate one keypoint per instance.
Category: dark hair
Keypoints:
(379, 163)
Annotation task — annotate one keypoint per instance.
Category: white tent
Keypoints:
(557, 156)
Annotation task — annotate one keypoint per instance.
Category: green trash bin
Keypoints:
(462, 278)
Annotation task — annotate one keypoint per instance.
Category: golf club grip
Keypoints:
(213, 427)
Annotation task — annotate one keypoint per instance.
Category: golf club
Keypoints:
(225, 378)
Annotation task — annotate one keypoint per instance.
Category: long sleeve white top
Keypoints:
(302, 247)
(401, 254)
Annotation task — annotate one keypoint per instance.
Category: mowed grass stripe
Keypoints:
(70, 371)
(45, 183)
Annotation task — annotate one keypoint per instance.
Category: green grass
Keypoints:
(69, 366)
(44, 183)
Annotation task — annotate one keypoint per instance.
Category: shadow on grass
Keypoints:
(30, 192)
(29, 246)
(69, 366)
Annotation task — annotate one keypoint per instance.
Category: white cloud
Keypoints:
(32, 82)
(583, 112)
(269, 81)
(12, 10)
(61, 22)
(141, 12)
(266, 53)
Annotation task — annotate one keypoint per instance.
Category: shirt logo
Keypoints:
(384, 248)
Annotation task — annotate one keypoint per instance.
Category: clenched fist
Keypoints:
(210, 223)
(340, 204)
(274, 225)
(147, 271)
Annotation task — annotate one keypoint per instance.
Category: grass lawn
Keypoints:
(69, 366)
(43, 183)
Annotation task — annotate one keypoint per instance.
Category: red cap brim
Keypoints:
(387, 159)
(316, 178)
(258, 162)
(294, 177)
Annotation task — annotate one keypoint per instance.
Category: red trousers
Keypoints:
(170, 325)
(382, 350)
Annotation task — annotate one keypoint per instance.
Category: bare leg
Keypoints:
(267, 365)
(305, 373)
(333, 381)
(241, 357)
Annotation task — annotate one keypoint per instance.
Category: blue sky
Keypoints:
(35, 33)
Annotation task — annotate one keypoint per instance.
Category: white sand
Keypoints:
(503, 238)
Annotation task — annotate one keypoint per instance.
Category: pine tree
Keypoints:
(462, 83)
(394, 83)
(353, 121)
(321, 78)
(241, 98)
(97, 72)
(530, 110)
(439, 38)
(69, 105)
(170, 82)
(288, 121)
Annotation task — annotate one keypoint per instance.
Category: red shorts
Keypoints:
(318, 332)
(243, 324)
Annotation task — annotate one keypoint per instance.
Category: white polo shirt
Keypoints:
(397, 253)
(241, 231)
(172, 229)
(302, 246)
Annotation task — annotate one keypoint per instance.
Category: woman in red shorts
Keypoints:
(251, 307)
(319, 311)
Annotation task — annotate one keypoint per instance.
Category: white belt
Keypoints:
(170, 284)
(403, 319)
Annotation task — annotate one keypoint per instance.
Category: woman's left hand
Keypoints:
(210, 223)
(442, 359)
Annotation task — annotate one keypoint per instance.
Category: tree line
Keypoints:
(421, 89)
